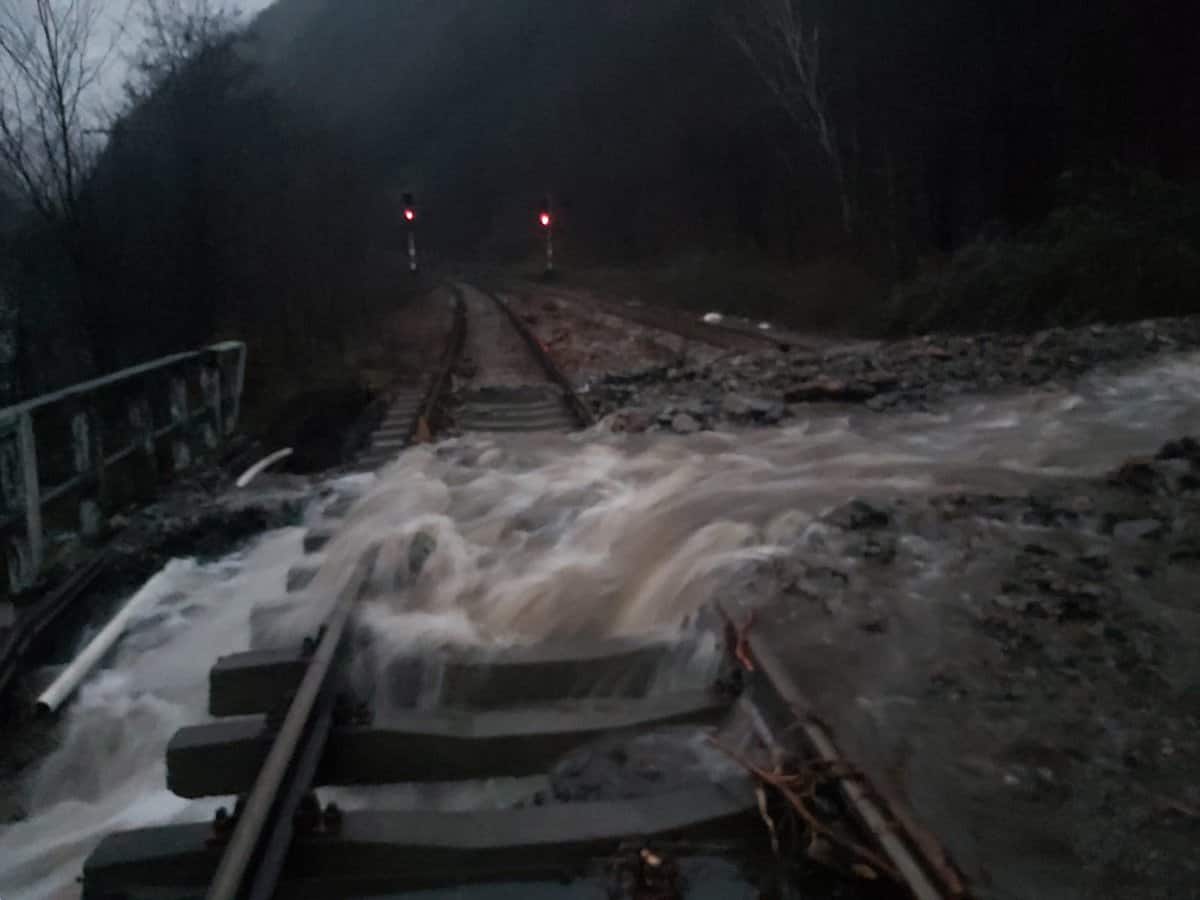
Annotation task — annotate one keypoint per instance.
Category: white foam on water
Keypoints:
(109, 773)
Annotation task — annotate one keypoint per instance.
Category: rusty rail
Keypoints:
(436, 394)
(919, 862)
(579, 409)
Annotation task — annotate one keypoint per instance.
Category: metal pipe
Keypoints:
(261, 466)
(66, 683)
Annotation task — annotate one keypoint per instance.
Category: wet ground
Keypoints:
(1022, 669)
(919, 375)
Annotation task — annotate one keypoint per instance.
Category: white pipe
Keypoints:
(66, 683)
(261, 466)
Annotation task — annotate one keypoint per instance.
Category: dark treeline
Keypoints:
(254, 192)
(653, 128)
(216, 209)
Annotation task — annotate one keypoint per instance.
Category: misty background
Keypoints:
(946, 166)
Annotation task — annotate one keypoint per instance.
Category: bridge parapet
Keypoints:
(68, 458)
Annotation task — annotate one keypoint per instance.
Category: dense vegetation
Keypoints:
(255, 190)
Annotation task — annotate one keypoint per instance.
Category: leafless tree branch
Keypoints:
(786, 50)
(51, 62)
(177, 32)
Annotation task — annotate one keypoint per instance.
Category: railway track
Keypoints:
(508, 384)
(296, 723)
(286, 725)
(290, 721)
(512, 383)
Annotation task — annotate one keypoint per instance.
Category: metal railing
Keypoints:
(102, 441)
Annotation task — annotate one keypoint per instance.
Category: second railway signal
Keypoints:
(547, 222)
(410, 219)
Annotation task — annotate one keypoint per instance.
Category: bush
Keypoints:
(1119, 246)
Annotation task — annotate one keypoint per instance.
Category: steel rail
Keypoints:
(450, 359)
(922, 865)
(252, 862)
(578, 408)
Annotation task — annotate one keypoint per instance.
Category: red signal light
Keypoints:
(410, 215)
(545, 219)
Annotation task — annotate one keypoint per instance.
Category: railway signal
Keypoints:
(410, 218)
(547, 222)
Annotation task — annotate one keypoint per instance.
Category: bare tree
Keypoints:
(176, 32)
(785, 47)
(53, 59)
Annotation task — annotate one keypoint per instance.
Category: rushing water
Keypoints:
(494, 542)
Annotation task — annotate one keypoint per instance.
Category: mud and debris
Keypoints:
(1022, 670)
(773, 387)
(1037, 710)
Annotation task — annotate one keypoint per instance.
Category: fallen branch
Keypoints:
(798, 789)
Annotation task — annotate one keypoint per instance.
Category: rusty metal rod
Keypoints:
(578, 408)
(906, 856)
(442, 378)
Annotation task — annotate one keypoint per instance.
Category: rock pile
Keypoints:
(766, 388)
